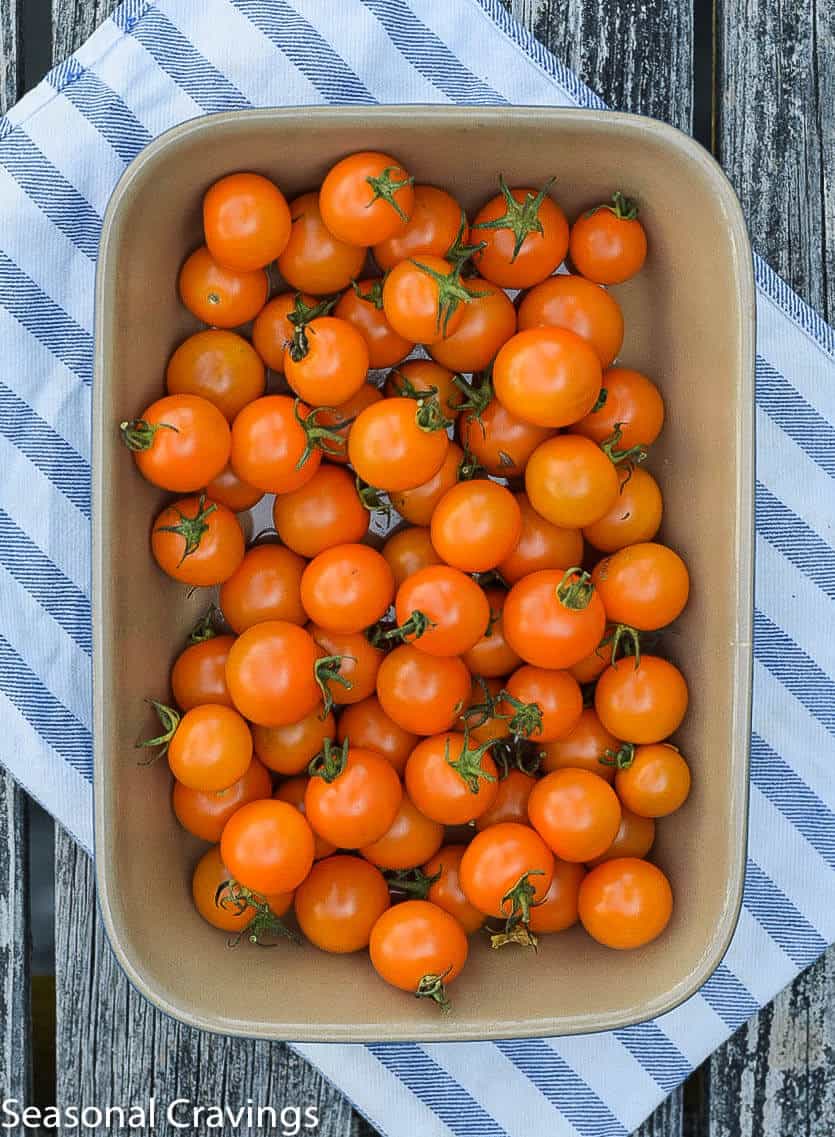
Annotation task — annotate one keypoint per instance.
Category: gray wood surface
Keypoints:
(9, 70)
(15, 1049)
(73, 21)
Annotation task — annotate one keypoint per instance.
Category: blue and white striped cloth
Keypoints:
(154, 64)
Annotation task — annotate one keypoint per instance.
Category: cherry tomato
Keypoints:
(291, 748)
(645, 586)
(450, 780)
(408, 550)
(347, 588)
(419, 948)
(410, 840)
(356, 678)
(366, 198)
(489, 321)
(634, 516)
(221, 297)
(210, 875)
(558, 908)
(608, 243)
(369, 727)
(271, 672)
(267, 846)
(447, 610)
(547, 703)
(180, 442)
(582, 748)
(218, 365)
(205, 813)
(578, 305)
(625, 903)
(389, 449)
(210, 749)
(498, 440)
(418, 503)
(340, 902)
(634, 838)
(571, 482)
(576, 813)
(511, 802)
(272, 447)
(541, 545)
(325, 512)
(481, 712)
(424, 378)
(293, 791)
(199, 674)
(230, 490)
(552, 619)
(446, 891)
(333, 366)
(423, 694)
(476, 525)
(655, 783)
(273, 331)
(265, 586)
(340, 420)
(424, 298)
(314, 260)
(505, 869)
(633, 403)
(593, 665)
(643, 702)
(432, 228)
(352, 797)
(362, 306)
(547, 376)
(246, 221)
(197, 541)
(492, 656)
(525, 234)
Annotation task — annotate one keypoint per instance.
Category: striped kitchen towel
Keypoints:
(62, 149)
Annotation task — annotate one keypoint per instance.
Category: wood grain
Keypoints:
(73, 21)
(10, 69)
(15, 1051)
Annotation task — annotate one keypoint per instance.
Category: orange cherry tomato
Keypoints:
(525, 234)
(498, 440)
(541, 545)
(424, 378)
(497, 865)
(641, 702)
(432, 228)
(197, 541)
(634, 516)
(265, 586)
(419, 948)
(361, 305)
(340, 420)
(552, 619)
(207, 888)
(545, 705)
(340, 902)
(230, 490)
(293, 791)
(347, 588)
(625, 903)
(633, 403)
(634, 838)
(593, 665)
(389, 449)
(574, 303)
(333, 366)
(424, 298)
(314, 260)
(273, 331)
(449, 780)
(418, 503)
(272, 675)
(366, 198)
(492, 656)
(489, 321)
(210, 749)
(645, 586)
(205, 813)
(221, 297)
(408, 550)
(423, 694)
(656, 781)
(324, 512)
(446, 891)
(180, 442)
(290, 749)
(246, 221)
(410, 840)
(576, 813)
(548, 376)
(356, 678)
(218, 365)
(352, 797)
(272, 447)
(583, 748)
(267, 846)
(448, 612)
(199, 673)
(476, 525)
(511, 802)
(608, 244)
(571, 482)
(558, 908)
(368, 726)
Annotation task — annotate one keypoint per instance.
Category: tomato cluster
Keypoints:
(408, 740)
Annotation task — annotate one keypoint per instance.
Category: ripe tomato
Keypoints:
(369, 727)
(205, 813)
(246, 221)
(265, 586)
(274, 446)
(273, 331)
(511, 802)
(325, 512)
(180, 442)
(571, 481)
(498, 440)
(633, 403)
(541, 545)
(489, 321)
(293, 790)
(432, 228)
(389, 449)
(218, 365)
(340, 902)
(553, 619)
(545, 705)
(445, 609)
(634, 516)
(558, 908)
(352, 797)
(578, 305)
(314, 260)
(361, 306)
(267, 846)
(593, 665)
(291, 748)
(625, 903)
(634, 838)
(481, 712)
(576, 813)
(407, 551)
(450, 780)
(366, 198)
(272, 673)
(424, 298)
(418, 503)
(548, 376)
(356, 678)
(446, 891)
(330, 365)
(221, 297)
(218, 905)
(420, 948)
(230, 490)
(209, 748)
(492, 656)
(425, 379)
(641, 702)
(582, 748)
(525, 235)
(656, 781)
(199, 673)
(197, 542)
(505, 870)
(608, 243)
(423, 694)
(476, 525)
(347, 588)
(410, 840)
(645, 586)
(340, 420)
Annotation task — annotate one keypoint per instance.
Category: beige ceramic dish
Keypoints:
(690, 323)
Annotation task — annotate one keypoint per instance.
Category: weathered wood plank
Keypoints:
(15, 1041)
(73, 21)
(10, 77)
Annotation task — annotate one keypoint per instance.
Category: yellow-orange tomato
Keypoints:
(641, 702)
(447, 892)
(222, 297)
(314, 260)
(634, 838)
(424, 299)
(324, 512)
(211, 889)
(197, 541)
(656, 781)
(340, 902)
(541, 545)
(547, 376)
(418, 503)
(645, 586)
(634, 516)
(558, 908)
(525, 234)
(571, 482)
(199, 673)
(582, 748)
(625, 903)
(332, 367)
(476, 525)
(221, 366)
(432, 228)
(418, 947)
(489, 321)
(267, 846)
(608, 244)
(390, 449)
(246, 221)
(501, 442)
(211, 748)
(356, 677)
(367, 725)
(544, 704)
(347, 588)
(409, 841)
(179, 443)
(511, 802)
(408, 550)
(290, 749)
(265, 586)
(576, 813)
(204, 813)
(582, 307)
(233, 492)
(633, 403)
(272, 331)
(362, 306)
(366, 198)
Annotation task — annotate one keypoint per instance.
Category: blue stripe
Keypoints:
(563, 1087)
(129, 13)
(431, 56)
(45, 714)
(46, 320)
(436, 1089)
(795, 417)
(102, 107)
(778, 782)
(61, 202)
(798, 673)
(301, 43)
(773, 910)
(659, 1056)
(728, 997)
(798, 543)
